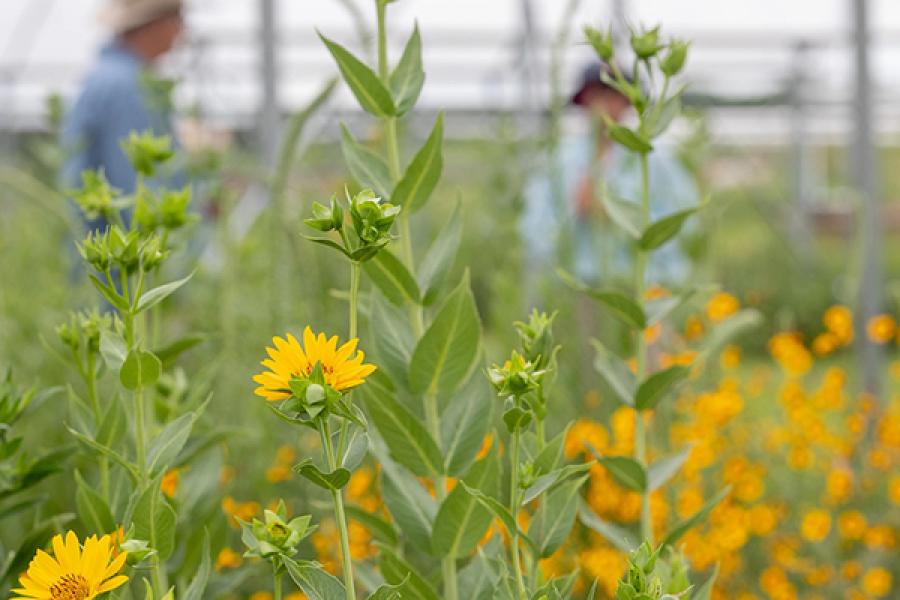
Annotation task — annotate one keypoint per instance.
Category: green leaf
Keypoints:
(655, 387)
(408, 76)
(461, 521)
(113, 349)
(409, 442)
(392, 278)
(465, 423)
(615, 535)
(549, 482)
(112, 425)
(388, 592)
(397, 571)
(371, 94)
(154, 520)
(626, 471)
(356, 450)
(315, 582)
(365, 166)
(165, 447)
(556, 516)
(704, 592)
(620, 306)
(447, 351)
(477, 579)
(334, 480)
(501, 512)
(660, 308)
(624, 213)
(201, 577)
(93, 510)
(440, 257)
(140, 369)
(381, 530)
(660, 471)
(423, 172)
(551, 457)
(660, 232)
(727, 330)
(168, 353)
(628, 138)
(665, 114)
(684, 526)
(101, 449)
(410, 505)
(392, 338)
(151, 298)
(615, 373)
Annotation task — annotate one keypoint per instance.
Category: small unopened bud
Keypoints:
(645, 44)
(602, 43)
(674, 61)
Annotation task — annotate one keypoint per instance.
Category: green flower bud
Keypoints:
(173, 208)
(602, 43)
(152, 253)
(372, 218)
(275, 536)
(95, 198)
(125, 249)
(95, 250)
(145, 216)
(674, 61)
(645, 44)
(146, 151)
(326, 218)
(516, 377)
(68, 335)
(536, 337)
(138, 551)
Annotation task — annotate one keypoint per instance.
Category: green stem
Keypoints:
(354, 298)
(339, 514)
(139, 433)
(513, 508)
(277, 585)
(640, 432)
(91, 384)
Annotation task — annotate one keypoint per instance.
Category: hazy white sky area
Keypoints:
(743, 48)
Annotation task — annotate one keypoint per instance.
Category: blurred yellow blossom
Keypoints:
(881, 328)
(815, 525)
(721, 306)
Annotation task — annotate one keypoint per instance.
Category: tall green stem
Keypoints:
(354, 298)
(277, 585)
(513, 508)
(90, 381)
(640, 432)
(340, 516)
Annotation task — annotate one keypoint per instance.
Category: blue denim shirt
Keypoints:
(112, 104)
(601, 251)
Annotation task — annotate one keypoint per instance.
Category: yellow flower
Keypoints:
(731, 357)
(816, 525)
(169, 483)
(894, 489)
(228, 559)
(881, 328)
(721, 306)
(72, 573)
(825, 343)
(852, 525)
(877, 582)
(839, 321)
(288, 359)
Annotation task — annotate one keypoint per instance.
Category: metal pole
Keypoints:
(865, 178)
(267, 125)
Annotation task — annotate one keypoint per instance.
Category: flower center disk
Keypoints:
(70, 587)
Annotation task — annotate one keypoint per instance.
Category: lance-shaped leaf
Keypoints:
(660, 471)
(397, 571)
(461, 520)
(625, 470)
(423, 172)
(151, 298)
(315, 582)
(663, 114)
(727, 330)
(92, 509)
(154, 520)
(440, 257)
(555, 517)
(392, 337)
(408, 441)
(106, 451)
(201, 577)
(704, 592)
(630, 139)
(366, 167)
(447, 351)
(408, 76)
(624, 213)
(619, 305)
(654, 388)
(370, 92)
(501, 512)
(549, 482)
(615, 373)
(478, 579)
(110, 293)
(617, 536)
(465, 423)
(392, 278)
(335, 480)
(165, 447)
(660, 232)
(684, 526)
(379, 529)
(410, 505)
(660, 308)
(113, 349)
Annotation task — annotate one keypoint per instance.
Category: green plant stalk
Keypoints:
(640, 433)
(276, 587)
(91, 384)
(339, 515)
(513, 508)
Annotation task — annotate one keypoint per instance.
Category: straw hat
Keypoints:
(123, 15)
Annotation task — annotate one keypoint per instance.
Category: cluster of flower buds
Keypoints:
(82, 330)
(536, 338)
(311, 396)
(146, 151)
(371, 220)
(96, 198)
(517, 377)
(648, 578)
(113, 248)
(168, 211)
(275, 536)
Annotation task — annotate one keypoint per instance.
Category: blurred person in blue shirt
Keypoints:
(118, 96)
(565, 202)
